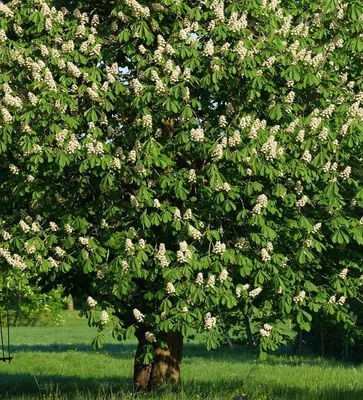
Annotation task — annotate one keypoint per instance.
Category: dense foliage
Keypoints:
(173, 159)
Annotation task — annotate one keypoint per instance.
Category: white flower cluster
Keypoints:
(14, 169)
(346, 173)
(223, 188)
(300, 136)
(6, 10)
(133, 201)
(83, 240)
(241, 243)
(147, 121)
(160, 255)
(209, 48)
(24, 226)
(261, 203)
(6, 116)
(265, 255)
(306, 156)
(3, 36)
(255, 292)
(237, 23)
(177, 214)
(91, 302)
(104, 318)
(211, 282)
(12, 101)
(300, 297)
(159, 85)
(323, 135)
(73, 145)
(217, 152)
(132, 156)
(299, 187)
(138, 315)
(68, 228)
(223, 275)
(187, 215)
(197, 135)
(29, 249)
(6, 235)
(241, 50)
(183, 254)
(209, 321)
(125, 266)
(192, 176)
(271, 150)
(219, 248)
(129, 246)
(60, 252)
(94, 148)
(235, 139)
(199, 279)
(14, 260)
(73, 70)
(290, 97)
(170, 289)
(222, 122)
(150, 337)
(115, 164)
(341, 300)
(316, 228)
(266, 330)
(344, 272)
(301, 202)
(138, 10)
(194, 233)
(92, 93)
(137, 86)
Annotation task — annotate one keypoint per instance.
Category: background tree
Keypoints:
(176, 158)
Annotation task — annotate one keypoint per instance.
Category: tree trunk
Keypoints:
(70, 305)
(322, 342)
(166, 365)
(229, 340)
(249, 333)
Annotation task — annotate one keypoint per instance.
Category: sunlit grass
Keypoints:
(59, 363)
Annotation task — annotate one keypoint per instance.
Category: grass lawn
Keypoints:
(53, 362)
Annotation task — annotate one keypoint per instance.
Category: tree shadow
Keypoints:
(121, 350)
(44, 386)
(20, 386)
(191, 351)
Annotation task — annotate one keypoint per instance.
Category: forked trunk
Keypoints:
(166, 366)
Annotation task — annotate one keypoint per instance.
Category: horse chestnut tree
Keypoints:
(179, 158)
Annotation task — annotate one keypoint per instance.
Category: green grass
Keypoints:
(59, 363)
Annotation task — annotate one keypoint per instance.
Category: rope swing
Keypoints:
(6, 356)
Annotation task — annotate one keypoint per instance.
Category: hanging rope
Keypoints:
(6, 356)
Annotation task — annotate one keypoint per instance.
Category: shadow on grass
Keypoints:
(240, 354)
(22, 386)
(115, 350)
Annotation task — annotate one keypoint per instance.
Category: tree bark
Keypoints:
(249, 333)
(229, 340)
(70, 304)
(166, 366)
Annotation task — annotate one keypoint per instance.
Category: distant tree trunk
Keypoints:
(166, 365)
(300, 342)
(322, 342)
(229, 340)
(70, 304)
(249, 333)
